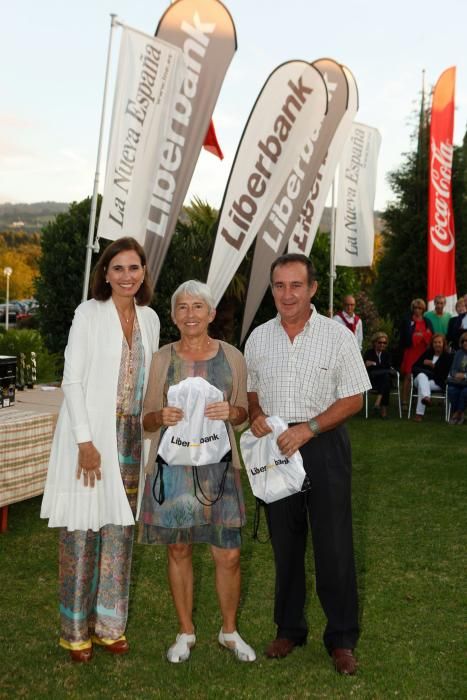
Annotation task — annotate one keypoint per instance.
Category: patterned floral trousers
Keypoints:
(95, 567)
(94, 584)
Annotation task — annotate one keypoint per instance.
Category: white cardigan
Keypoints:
(90, 381)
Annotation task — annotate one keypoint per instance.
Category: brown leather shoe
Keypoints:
(81, 656)
(280, 648)
(119, 647)
(344, 661)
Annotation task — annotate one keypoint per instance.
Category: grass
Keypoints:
(409, 528)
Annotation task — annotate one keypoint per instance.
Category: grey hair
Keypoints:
(194, 288)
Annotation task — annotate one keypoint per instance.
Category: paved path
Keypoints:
(40, 399)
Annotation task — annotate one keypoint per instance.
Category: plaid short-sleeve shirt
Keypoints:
(300, 380)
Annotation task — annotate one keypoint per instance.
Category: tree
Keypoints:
(23, 260)
(402, 270)
(61, 273)
(459, 195)
(187, 258)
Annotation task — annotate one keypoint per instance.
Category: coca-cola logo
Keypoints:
(441, 233)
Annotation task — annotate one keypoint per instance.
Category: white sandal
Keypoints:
(235, 643)
(180, 651)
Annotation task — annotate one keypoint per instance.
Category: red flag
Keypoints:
(211, 143)
(441, 236)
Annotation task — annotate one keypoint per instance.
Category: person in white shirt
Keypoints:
(96, 464)
(309, 371)
(348, 318)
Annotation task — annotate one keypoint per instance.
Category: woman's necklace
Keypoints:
(126, 318)
(203, 347)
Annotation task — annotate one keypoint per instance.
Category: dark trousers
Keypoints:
(381, 381)
(327, 509)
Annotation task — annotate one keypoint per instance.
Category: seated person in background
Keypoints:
(378, 364)
(430, 372)
(348, 318)
(457, 324)
(438, 316)
(457, 381)
(415, 338)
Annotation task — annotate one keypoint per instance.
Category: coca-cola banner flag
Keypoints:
(149, 76)
(355, 230)
(297, 182)
(303, 235)
(205, 32)
(441, 237)
(273, 156)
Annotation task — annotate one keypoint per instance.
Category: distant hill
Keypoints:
(29, 217)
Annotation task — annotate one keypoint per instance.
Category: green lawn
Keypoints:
(410, 524)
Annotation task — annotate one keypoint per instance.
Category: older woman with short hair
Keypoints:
(379, 367)
(173, 514)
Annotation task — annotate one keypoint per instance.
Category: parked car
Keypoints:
(11, 314)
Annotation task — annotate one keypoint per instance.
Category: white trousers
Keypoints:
(424, 387)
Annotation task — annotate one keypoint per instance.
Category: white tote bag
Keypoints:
(195, 440)
(272, 475)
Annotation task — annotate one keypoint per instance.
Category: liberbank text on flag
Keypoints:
(205, 32)
(289, 201)
(304, 233)
(273, 154)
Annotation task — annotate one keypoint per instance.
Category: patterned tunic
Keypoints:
(199, 504)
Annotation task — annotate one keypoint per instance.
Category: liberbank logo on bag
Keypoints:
(195, 440)
(258, 470)
(183, 443)
(278, 476)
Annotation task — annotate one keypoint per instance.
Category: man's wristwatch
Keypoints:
(314, 427)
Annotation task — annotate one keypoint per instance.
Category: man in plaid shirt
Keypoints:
(308, 370)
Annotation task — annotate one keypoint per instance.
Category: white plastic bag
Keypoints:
(195, 440)
(272, 475)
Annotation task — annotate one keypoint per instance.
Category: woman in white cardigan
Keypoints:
(95, 467)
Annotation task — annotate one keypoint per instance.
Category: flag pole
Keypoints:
(90, 247)
(332, 267)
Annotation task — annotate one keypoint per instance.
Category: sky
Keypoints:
(53, 55)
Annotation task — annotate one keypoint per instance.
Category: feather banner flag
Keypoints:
(273, 154)
(149, 76)
(441, 233)
(304, 233)
(355, 229)
(205, 32)
(278, 225)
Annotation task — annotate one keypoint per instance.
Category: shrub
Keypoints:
(14, 342)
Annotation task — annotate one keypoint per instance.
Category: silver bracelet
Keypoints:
(314, 427)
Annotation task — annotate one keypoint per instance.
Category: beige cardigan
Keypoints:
(154, 399)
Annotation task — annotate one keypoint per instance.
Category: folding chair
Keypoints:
(395, 391)
(435, 395)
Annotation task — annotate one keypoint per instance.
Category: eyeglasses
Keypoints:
(381, 342)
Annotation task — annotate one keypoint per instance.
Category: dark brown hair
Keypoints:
(102, 291)
(293, 258)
